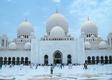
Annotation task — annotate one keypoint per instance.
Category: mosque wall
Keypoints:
(80, 51)
(41, 48)
(49, 47)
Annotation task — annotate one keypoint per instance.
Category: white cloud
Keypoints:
(9, 0)
(12, 1)
(99, 12)
(26, 13)
(57, 1)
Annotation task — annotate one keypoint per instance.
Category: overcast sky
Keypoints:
(14, 12)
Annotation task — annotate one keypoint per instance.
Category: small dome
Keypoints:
(12, 46)
(27, 45)
(89, 27)
(102, 45)
(68, 35)
(72, 36)
(4, 34)
(53, 19)
(31, 34)
(87, 45)
(45, 35)
(25, 28)
(22, 37)
(82, 33)
(92, 36)
(57, 32)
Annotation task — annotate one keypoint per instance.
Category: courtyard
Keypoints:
(94, 72)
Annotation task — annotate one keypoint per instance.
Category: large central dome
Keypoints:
(89, 28)
(25, 28)
(53, 19)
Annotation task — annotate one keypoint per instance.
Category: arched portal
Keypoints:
(69, 60)
(13, 60)
(17, 60)
(97, 59)
(26, 60)
(46, 59)
(106, 59)
(5, 60)
(9, 60)
(102, 60)
(110, 59)
(89, 60)
(93, 60)
(1, 60)
(57, 57)
(22, 60)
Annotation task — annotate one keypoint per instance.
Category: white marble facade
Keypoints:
(57, 45)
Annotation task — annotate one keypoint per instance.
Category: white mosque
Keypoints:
(57, 45)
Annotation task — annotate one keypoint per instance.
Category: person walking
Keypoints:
(0, 66)
(52, 69)
(85, 66)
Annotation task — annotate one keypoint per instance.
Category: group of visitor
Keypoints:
(0, 66)
(21, 66)
(35, 65)
(70, 66)
(85, 66)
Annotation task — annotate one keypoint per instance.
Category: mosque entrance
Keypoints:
(57, 57)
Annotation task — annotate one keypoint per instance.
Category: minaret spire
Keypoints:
(57, 10)
(26, 19)
(88, 18)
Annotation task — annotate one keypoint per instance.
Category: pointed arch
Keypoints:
(22, 60)
(57, 57)
(26, 60)
(1, 60)
(93, 60)
(102, 59)
(97, 59)
(17, 60)
(13, 60)
(89, 59)
(110, 59)
(69, 59)
(46, 59)
(5, 60)
(106, 59)
(9, 60)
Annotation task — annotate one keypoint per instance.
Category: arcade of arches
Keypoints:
(14, 60)
(99, 59)
(57, 58)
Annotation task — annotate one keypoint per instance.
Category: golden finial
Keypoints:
(88, 18)
(26, 19)
(57, 10)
